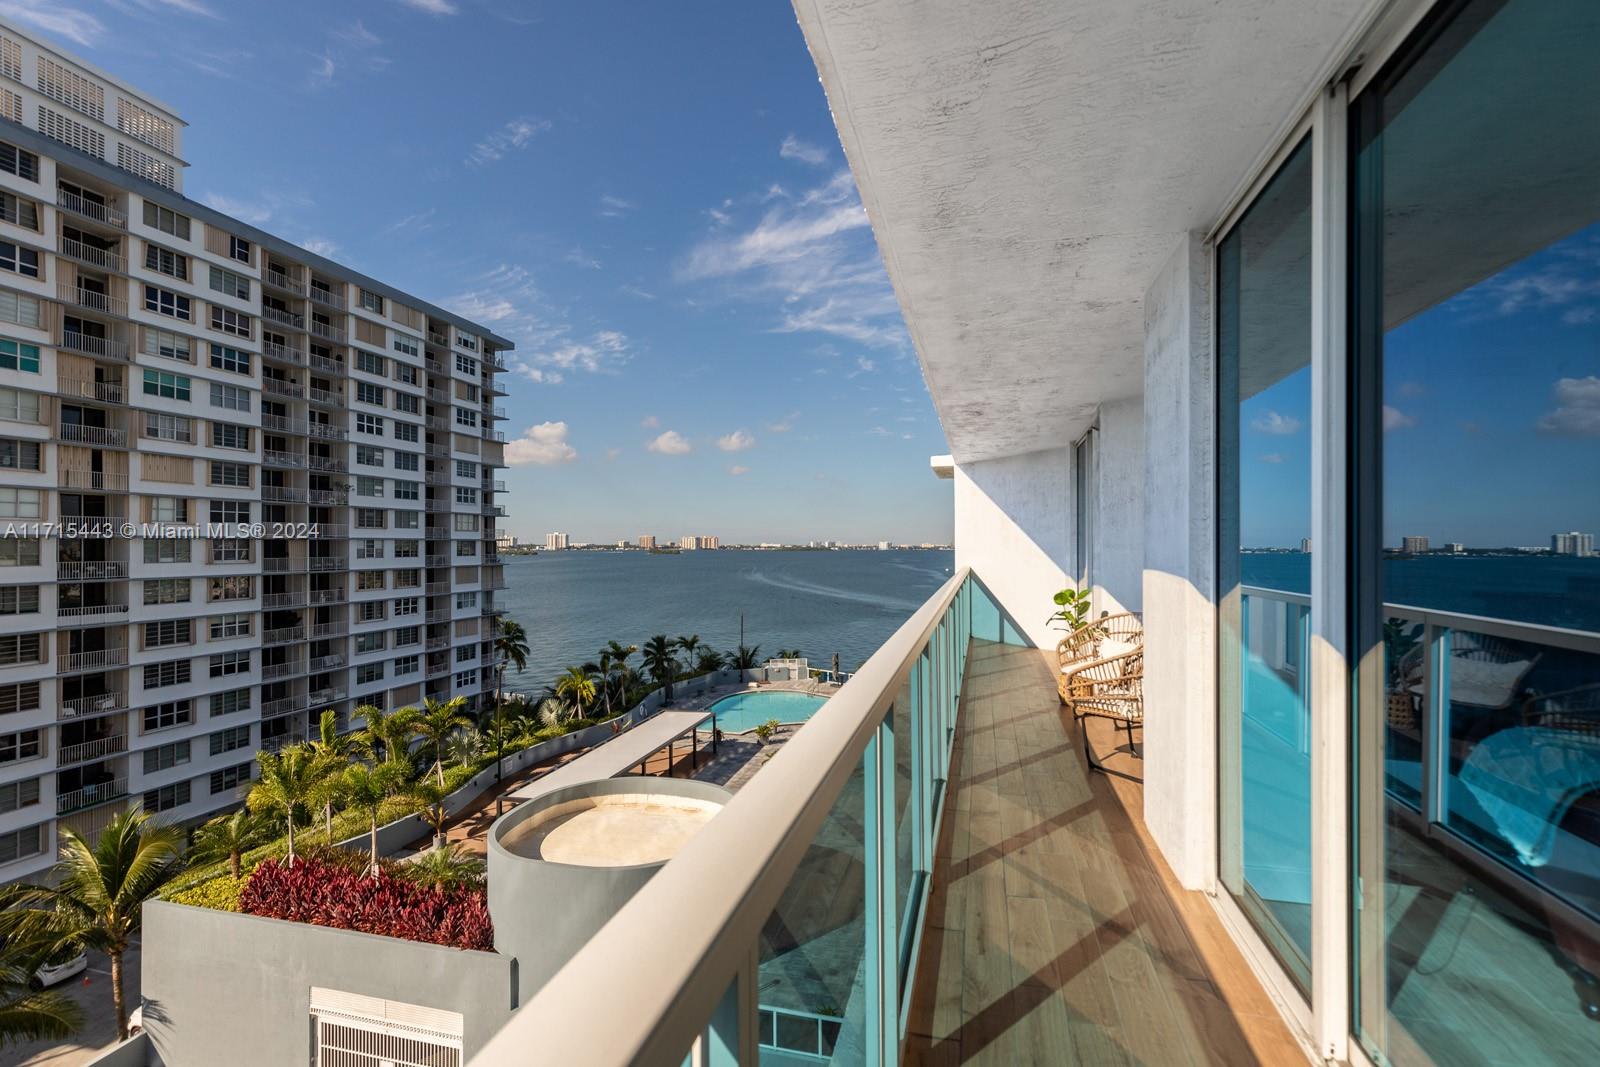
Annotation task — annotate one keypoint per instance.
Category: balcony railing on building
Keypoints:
(92, 299)
(328, 298)
(282, 279)
(105, 258)
(100, 481)
(109, 745)
(73, 611)
(103, 347)
(98, 436)
(91, 795)
(90, 209)
(283, 635)
(283, 353)
(91, 570)
(97, 660)
(100, 704)
(327, 331)
(279, 387)
(90, 389)
(284, 318)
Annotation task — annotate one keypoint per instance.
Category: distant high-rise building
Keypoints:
(554, 542)
(647, 540)
(1572, 544)
(698, 541)
(883, 546)
(1305, 544)
(622, 543)
(1454, 547)
(1413, 545)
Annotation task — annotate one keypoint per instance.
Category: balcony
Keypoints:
(283, 494)
(322, 630)
(89, 209)
(96, 436)
(282, 706)
(96, 481)
(329, 466)
(279, 387)
(90, 610)
(279, 742)
(438, 339)
(1034, 924)
(98, 660)
(284, 353)
(438, 644)
(326, 365)
(91, 299)
(327, 331)
(283, 636)
(282, 601)
(100, 704)
(325, 564)
(328, 298)
(91, 795)
(292, 460)
(279, 424)
(327, 431)
(332, 694)
(280, 317)
(106, 259)
(328, 497)
(272, 672)
(335, 530)
(320, 597)
(282, 279)
(438, 423)
(326, 663)
(91, 389)
(91, 750)
(91, 570)
(89, 345)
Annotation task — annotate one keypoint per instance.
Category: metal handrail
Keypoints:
(92, 299)
(83, 253)
(91, 795)
(104, 347)
(328, 298)
(720, 887)
(106, 213)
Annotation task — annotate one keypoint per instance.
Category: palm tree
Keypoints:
(497, 723)
(710, 660)
(388, 734)
(444, 868)
(334, 749)
(96, 894)
(228, 837)
(466, 745)
(745, 658)
(26, 1015)
(432, 797)
(288, 780)
(366, 788)
(619, 670)
(577, 685)
(510, 648)
(436, 723)
(657, 653)
(790, 653)
(688, 645)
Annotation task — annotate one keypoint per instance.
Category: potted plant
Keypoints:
(1072, 609)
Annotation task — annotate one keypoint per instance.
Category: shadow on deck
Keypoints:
(1055, 934)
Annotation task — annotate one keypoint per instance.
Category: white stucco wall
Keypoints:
(1179, 566)
(1120, 508)
(1013, 523)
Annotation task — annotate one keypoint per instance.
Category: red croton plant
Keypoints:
(329, 893)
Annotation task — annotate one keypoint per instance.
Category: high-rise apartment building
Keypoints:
(647, 540)
(1413, 545)
(556, 541)
(319, 447)
(1572, 544)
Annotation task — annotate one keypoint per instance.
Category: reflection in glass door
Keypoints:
(1264, 560)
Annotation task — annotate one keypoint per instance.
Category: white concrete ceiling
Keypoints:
(1029, 165)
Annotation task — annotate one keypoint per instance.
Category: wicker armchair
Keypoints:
(1082, 645)
(1109, 688)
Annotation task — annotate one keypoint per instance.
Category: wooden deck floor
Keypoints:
(1055, 933)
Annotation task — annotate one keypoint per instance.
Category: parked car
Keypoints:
(60, 967)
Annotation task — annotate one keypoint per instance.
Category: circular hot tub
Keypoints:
(563, 863)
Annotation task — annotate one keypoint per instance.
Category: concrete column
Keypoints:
(1179, 566)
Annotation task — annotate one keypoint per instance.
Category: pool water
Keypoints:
(745, 711)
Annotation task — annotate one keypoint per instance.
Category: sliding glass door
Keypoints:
(1264, 560)
(1475, 188)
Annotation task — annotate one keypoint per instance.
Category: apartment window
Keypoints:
(230, 475)
(230, 397)
(466, 679)
(168, 427)
(369, 549)
(19, 308)
(14, 796)
(22, 745)
(28, 841)
(167, 797)
(466, 495)
(407, 665)
(166, 590)
(19, 260)
(408, 403)
(19, 600)
(466, 417)
(407, 490)
(19, 406)
(19, 455)
(17, 211)
(166, 261)
(366, 486)
(406, 461)
(465, 468)
(228, 283)
(232, 512)
(229, 321)
(239, 249)
(371, 301)
(368, 673)
(371, 518)
(168, 632)
(172, 672)
(230, 740)
(370, 611)
(227, 627)
(466, 548)
(230, 550)
(167, 344)
(406, 431)
(408, 579)
(166, 386)
(230, 435)
(230, 359)
(228, 703)
(407, 605)
(226, 663)
(406, 520)
(466, 600)
(233, 587)
(406, 374)
(229, 778)
(368, 363)
(166, 302)
(465, 523)
(409, 345)
(373, 642)
(369, 424)
(19, 552)
(466, 365)
(167, 550)
(166, 220)
(366, 581)
(466, 653)
(368, 393)
(15, 355)
(165, 757)
(20, 503)
(407, 635)
(369, 456)
(169, 508)
(19, 161)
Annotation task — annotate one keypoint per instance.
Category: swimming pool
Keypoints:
(746, 711)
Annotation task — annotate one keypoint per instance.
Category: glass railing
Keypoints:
(787, 930)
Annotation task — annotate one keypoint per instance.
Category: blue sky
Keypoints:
(650, 199)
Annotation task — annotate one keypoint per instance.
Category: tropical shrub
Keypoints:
(219, 894)
(326, 891)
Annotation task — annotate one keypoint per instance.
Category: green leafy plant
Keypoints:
(765, 731)
(1073, 609)
(218, 894)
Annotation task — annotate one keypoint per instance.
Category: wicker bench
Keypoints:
(1102, 675)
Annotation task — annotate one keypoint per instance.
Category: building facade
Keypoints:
(554, 542)
(1572, 544)
(241, 484)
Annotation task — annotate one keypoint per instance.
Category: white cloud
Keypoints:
(785, 424)
(737, 470)
(1395, 419)
(649, 422)
(737, 441)
(1274, 423)
(79, 27)
(320, 246)
(432, 7)
(614, 207)
(506, 299)
(602, 352)
(358, 35)
(634, 290)
(322, 70)
(579, 258)
(187, 7)
(511, 137)
(1577, 411)
(863, 366)
(256, 214)
(670, 443)
(543, 445)
(794, 148)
